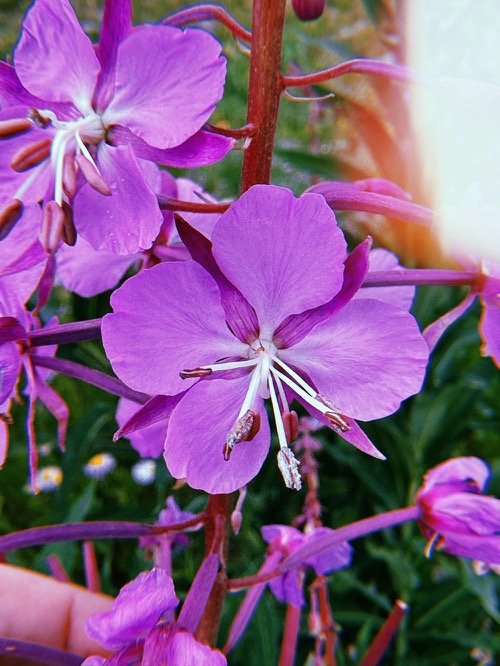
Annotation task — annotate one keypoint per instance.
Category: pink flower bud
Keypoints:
(308, 10)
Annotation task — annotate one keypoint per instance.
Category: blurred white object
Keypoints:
(454, 45)
(48, 478)
(144, 472)
(100, 465)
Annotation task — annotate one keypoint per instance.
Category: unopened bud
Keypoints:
(92, 176)
(308, 10)
(244, 430)
(289, 468)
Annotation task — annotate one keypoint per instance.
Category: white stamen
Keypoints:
(298, 378)
(310, 399)
(251, 392)
(59, 153)
(280, 428)
(84, 150)
(230, 365)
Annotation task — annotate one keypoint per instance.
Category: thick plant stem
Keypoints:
(264, 89)
(379, 646)
(217, 523)
(290, 636)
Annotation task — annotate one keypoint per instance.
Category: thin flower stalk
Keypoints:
(209, 12)
(89, 376)
(290, 636)
(350, 532)
(381, 642)
(420, 276)
(355, 66)
(76, 331)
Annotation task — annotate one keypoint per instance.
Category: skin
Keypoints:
(39, 609)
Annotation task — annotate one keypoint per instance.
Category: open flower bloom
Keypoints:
(264, 312)
(75, 133)
(137, 628)
(487, 288)
(284, 540)
(456, 516)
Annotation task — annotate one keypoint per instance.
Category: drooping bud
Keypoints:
(289, 468)
(52, 227)
(14, 126)
(92, 176)
(308, 10)
(291, 425)
(244, 430)
(9, 215)
(195, 372)
(31, 155)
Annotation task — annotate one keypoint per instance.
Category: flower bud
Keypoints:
(308, 10)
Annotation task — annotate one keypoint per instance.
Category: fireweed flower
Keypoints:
(76, 134)
(139, 629)
(284, 540)
(266, 312)
(487, 288)
(15, 358)
(456, 516)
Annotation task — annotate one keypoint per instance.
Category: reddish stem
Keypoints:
(209, 12)
(290, 636)
(233, 132)
(327, 638)
(264, 89)
(356, 66)
(217, 525)
(92, 579)
(169, 203)
(381, 641)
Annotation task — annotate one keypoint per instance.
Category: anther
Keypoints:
(9, 215)
(195, 372)
(52, 226)
(69, 176)
(338, 421)
(92, 176)
(31, 155)
(436, 542)
(68, 233)
(244, 430)
(289, 468)
(14, 126)
(38, 119)
(291, 425)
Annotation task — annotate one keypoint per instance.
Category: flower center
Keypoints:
(268, 377)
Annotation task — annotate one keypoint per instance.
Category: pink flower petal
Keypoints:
(198, 429)
(52, 35)
(365, 359)
(166, 319)
(284, 254)
(127, 221)
(184, 82)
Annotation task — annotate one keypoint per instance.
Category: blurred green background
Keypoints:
(361, 132)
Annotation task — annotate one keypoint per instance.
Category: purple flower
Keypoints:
(487, 288)
(77, 132)
(15, 357)
(136, 628)
(456, 516)
(265, 311)
(284, 540)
